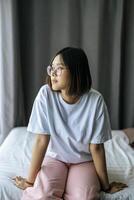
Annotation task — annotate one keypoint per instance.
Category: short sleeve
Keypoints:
(38, 119)
(101, 128)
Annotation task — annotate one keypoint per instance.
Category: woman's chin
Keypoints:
(54, 87)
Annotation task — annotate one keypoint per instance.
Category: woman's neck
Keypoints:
(69, 99)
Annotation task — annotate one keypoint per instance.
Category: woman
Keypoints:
(71, 122)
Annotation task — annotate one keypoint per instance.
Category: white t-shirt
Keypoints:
(71, 126)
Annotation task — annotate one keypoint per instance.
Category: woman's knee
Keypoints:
(91, 194)
(53, 192)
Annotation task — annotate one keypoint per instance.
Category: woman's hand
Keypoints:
(115, 187)
(21, 182)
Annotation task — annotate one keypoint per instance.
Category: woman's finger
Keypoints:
(19, 177)
(116, 189)
(18, 184)
(14, 178)
(121, 184)
(118, 184)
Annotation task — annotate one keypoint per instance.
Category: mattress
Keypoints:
(15, 155)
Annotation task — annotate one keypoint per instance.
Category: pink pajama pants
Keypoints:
(57, 181)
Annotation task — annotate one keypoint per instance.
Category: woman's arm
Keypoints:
(98, 154)
(38, 153)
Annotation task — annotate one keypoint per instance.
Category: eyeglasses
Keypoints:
(55, 70)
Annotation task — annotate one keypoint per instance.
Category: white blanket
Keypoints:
(120, 164)
(15, 154)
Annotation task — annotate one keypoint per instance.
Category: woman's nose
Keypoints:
(53, 73)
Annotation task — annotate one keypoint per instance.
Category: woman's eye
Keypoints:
(59, 68)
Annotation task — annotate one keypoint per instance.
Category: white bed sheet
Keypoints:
(15, 154)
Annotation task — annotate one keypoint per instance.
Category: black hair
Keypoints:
(77, 62)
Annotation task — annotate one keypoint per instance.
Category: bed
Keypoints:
(15, 155)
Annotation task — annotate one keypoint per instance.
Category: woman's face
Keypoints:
(60, 80)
